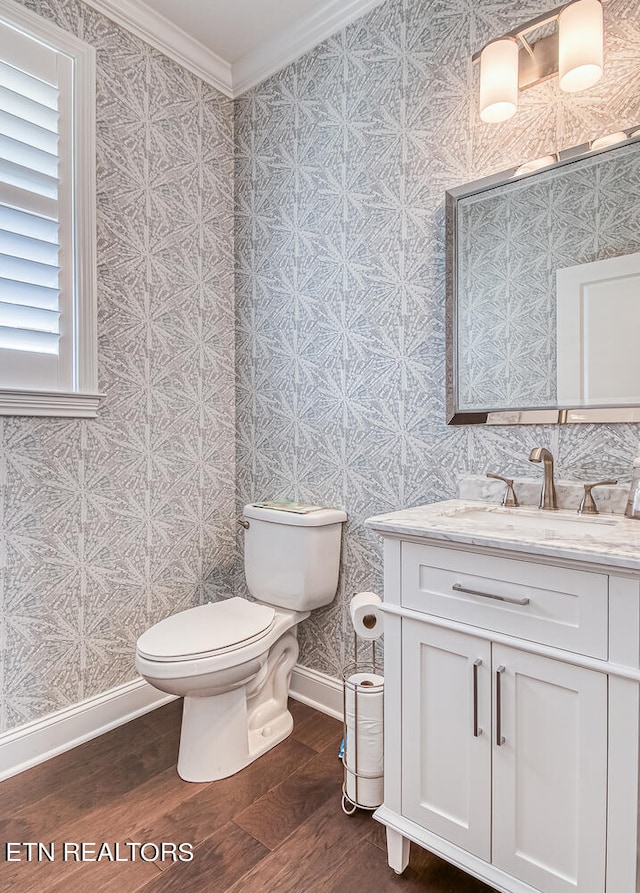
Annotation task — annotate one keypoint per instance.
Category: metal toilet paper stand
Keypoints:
(350, 741)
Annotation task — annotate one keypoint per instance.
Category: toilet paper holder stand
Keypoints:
(351, 798)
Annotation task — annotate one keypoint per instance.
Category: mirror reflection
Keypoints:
(544, 285)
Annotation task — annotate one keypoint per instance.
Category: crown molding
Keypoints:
(301, 36)
(175, 43)
(232, 80)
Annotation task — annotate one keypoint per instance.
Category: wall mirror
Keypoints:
(543, 290)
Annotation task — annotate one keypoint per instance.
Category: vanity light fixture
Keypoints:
(499, 80)
(573, 51)
(580, 45)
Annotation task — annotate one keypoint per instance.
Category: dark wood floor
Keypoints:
(276, 826)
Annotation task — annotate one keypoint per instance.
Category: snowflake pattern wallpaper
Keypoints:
(271, 325)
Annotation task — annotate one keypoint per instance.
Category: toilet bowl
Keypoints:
(232, 660)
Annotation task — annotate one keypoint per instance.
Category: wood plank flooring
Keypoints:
(275, 827)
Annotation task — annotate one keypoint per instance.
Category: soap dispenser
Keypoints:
(633, 502)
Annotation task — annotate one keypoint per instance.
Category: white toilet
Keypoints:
(232, 660)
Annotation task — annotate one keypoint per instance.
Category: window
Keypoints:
(48, 362)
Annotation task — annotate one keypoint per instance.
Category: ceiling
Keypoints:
(234, 44)
(232, 28)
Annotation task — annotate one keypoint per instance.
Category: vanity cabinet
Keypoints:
(508, 747)
(511, 715)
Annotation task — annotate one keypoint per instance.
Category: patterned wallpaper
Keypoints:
(108, 525)
(513, 241)
(342, 162)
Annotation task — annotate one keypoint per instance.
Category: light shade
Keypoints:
(499, 80)
(581, 39)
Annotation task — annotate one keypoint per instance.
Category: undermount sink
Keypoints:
(502, 518)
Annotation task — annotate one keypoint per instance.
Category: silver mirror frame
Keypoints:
(519, 415)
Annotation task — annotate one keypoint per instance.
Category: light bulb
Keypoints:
(609, 140)
(499, 80)
(580, 47)
(535, 165)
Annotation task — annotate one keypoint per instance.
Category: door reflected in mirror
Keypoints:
(598, 332)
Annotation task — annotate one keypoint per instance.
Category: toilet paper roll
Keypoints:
(366, 616)
(364, 749)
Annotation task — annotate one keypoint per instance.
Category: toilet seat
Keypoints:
(208, 630)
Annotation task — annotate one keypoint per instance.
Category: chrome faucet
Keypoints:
(548, 499)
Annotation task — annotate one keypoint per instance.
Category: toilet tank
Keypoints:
(292, 554)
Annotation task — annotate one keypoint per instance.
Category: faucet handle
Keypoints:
(588, 505)
(509, 498)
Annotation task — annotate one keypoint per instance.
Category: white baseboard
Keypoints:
(322, 692)
(38, 741)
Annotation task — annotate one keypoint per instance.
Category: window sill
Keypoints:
(49, 403)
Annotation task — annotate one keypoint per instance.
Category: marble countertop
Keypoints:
(611, 540)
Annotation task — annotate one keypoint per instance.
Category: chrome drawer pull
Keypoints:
(458, 587)
(500, 739)
(477, 731)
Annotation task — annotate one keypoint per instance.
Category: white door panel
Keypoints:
(446, 784)
(549, 774)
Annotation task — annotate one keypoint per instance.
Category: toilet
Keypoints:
(232, 660)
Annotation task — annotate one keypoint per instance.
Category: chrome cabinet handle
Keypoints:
(458, 587)
(499, 735)
(477, 731)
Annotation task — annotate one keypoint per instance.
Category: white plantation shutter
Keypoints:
(35, 141)
(47, 294)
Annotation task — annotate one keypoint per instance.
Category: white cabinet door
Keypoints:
(549, 773)
(446, 734)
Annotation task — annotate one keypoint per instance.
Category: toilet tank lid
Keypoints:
(296, 514)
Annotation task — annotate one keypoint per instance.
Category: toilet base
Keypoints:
(273, 733)
(208, 754)
(223, 733)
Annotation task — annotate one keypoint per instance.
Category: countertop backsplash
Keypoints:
(609, 500)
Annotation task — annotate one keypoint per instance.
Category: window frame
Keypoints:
(82, 399)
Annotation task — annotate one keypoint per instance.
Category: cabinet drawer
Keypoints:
(552, 605)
